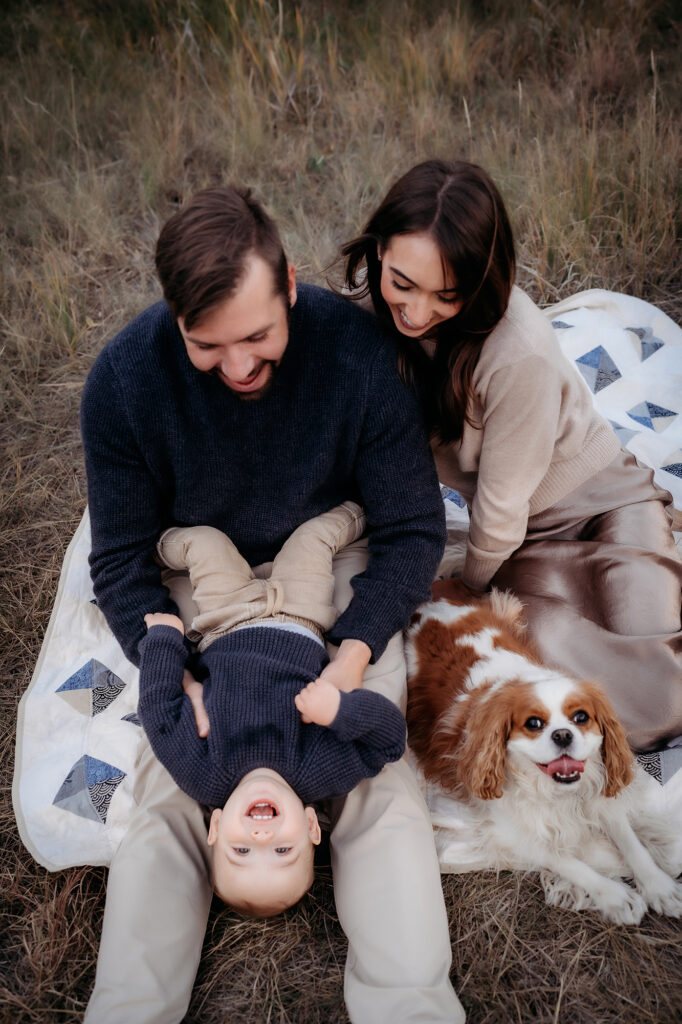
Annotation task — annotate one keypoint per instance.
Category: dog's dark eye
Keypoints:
(533, 723)
(580, 717)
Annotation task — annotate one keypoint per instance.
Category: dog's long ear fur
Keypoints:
(508, 607)
(616, 753)
(483, 755)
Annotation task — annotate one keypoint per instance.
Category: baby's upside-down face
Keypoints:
(263, 842)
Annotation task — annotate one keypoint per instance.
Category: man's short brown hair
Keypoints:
(202, 251)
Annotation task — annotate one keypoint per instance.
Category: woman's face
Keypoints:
(418, 286)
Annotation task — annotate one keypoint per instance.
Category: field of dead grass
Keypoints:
(113, 113)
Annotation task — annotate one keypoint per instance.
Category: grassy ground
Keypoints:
(112, 113)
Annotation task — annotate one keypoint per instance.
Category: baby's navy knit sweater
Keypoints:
(253, 676)
(166, 444)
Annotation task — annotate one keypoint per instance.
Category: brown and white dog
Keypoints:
(539, 758)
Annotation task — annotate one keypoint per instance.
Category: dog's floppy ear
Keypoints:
(483, 756)
(616, 754)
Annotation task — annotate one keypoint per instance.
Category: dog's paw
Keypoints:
(614, 900)
(559, 892)
(619, 903)
(664, 896)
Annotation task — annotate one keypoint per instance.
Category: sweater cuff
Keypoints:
(163, 656)
(169, 636)
(366, 713)
(345, 723)
(478, 572)
(375, 614)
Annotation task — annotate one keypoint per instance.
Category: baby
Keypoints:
(280, 737)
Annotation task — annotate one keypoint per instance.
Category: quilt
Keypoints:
(77, 730)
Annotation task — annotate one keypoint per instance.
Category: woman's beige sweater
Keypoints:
(537, 437)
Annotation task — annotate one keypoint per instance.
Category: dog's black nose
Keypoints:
(562, 737)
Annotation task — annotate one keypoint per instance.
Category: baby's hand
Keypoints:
(164, 619)
(318, 702)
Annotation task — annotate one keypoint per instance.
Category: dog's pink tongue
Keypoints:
(564, 765)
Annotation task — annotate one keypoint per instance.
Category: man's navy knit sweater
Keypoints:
(166, 444)
(253, 676)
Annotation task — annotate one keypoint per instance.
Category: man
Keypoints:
(248, 404)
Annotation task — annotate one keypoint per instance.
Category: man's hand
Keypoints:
(164, 619)
(346, 669)
(318, 702)
(195, 692)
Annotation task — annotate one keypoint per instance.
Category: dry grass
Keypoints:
(113, 113)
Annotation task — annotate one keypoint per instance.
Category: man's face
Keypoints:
(244, 338)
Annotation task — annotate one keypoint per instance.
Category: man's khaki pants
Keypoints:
(386, 885)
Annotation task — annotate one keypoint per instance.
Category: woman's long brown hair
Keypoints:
(458, 204)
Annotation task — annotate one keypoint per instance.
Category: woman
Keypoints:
(560, 513)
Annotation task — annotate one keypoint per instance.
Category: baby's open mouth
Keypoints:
(565, 769)
(262, 810)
